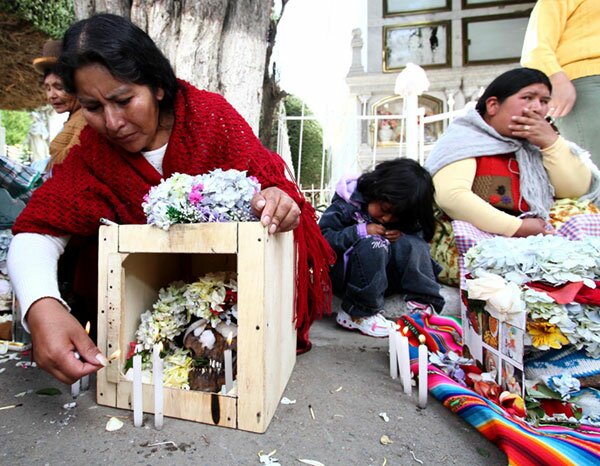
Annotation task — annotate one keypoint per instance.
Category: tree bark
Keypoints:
(272, 94)
(218, 45)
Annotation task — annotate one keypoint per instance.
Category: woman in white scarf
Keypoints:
(508, 129)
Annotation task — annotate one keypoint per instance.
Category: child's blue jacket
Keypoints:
(345, 220)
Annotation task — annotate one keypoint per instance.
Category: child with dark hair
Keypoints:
(379, 225)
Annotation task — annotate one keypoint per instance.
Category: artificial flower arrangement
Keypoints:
(193, 322)
(218, 196)
(543, 289)
(196, 322)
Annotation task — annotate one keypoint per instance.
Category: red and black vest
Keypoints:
(497, 181)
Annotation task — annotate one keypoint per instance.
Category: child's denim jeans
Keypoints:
(373, 267)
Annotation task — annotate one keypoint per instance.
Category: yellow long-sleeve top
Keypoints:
(563, 35)
(567, 173)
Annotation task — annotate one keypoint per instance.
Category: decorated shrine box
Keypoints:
(495, 345)
(135, 261)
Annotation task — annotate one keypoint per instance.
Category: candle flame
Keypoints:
(405, 331)
(160, 346)
(115, 355)
(87, 327)
(230, 338)
(422, 339)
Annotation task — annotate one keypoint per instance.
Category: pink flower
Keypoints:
(255, 180)
(196, 195)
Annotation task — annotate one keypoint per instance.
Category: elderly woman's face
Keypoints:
(534, 97)
(125, 113)
(56, 95)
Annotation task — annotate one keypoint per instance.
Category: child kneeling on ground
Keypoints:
(379, 225)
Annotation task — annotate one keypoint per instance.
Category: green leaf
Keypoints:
(483, 452)
(51, 391)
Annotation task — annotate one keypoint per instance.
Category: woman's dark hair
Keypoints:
(123, 48)
(48, 70)
(509, 83)
(407, 186)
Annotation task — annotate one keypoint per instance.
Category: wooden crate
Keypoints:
(135, 261)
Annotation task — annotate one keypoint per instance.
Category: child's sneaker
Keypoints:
(374, 326)
(414, 306)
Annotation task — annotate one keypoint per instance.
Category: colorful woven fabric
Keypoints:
(443, 250)
(523, 444)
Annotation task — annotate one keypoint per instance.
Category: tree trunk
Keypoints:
(218, 45)
(272, 94)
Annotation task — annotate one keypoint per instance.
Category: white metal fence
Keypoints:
(320, 194)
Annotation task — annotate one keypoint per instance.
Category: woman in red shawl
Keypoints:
(143, 125)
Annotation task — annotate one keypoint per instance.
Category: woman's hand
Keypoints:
(55, 336)
(534, 226)
(564, 95)
(276, 210)
(533, 127)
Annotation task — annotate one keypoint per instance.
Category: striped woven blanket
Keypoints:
(523, 444)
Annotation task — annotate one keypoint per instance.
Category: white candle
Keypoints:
(85, 380)
(75, 387)
(157, 374)
(393, 354)
(137, 390)
(404, 358)
(228, 364)
(423, 361)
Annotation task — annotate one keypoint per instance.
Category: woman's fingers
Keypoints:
(277, 210)
(56, 336)
(535, 129)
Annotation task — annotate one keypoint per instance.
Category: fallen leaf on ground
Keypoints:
(51, 391)
(113, 424)
(385, 440)
(266, 459)
(415, 458)
(312, 462)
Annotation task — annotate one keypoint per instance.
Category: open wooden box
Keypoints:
(135, 261)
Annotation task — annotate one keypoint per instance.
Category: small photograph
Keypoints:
(490, 327)
(512, 378)
(491, 361)
(474, 320)
(512, 342)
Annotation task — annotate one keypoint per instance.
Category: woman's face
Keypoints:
(125, 113)
(534, 97)
(56, 95)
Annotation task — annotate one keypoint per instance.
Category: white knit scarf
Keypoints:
(470, 136)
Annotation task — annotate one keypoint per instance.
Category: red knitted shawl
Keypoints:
(99, 179)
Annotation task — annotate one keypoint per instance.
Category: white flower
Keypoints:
(503, 300)
(214, 197)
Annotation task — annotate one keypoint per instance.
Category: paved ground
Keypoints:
(346, 430)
